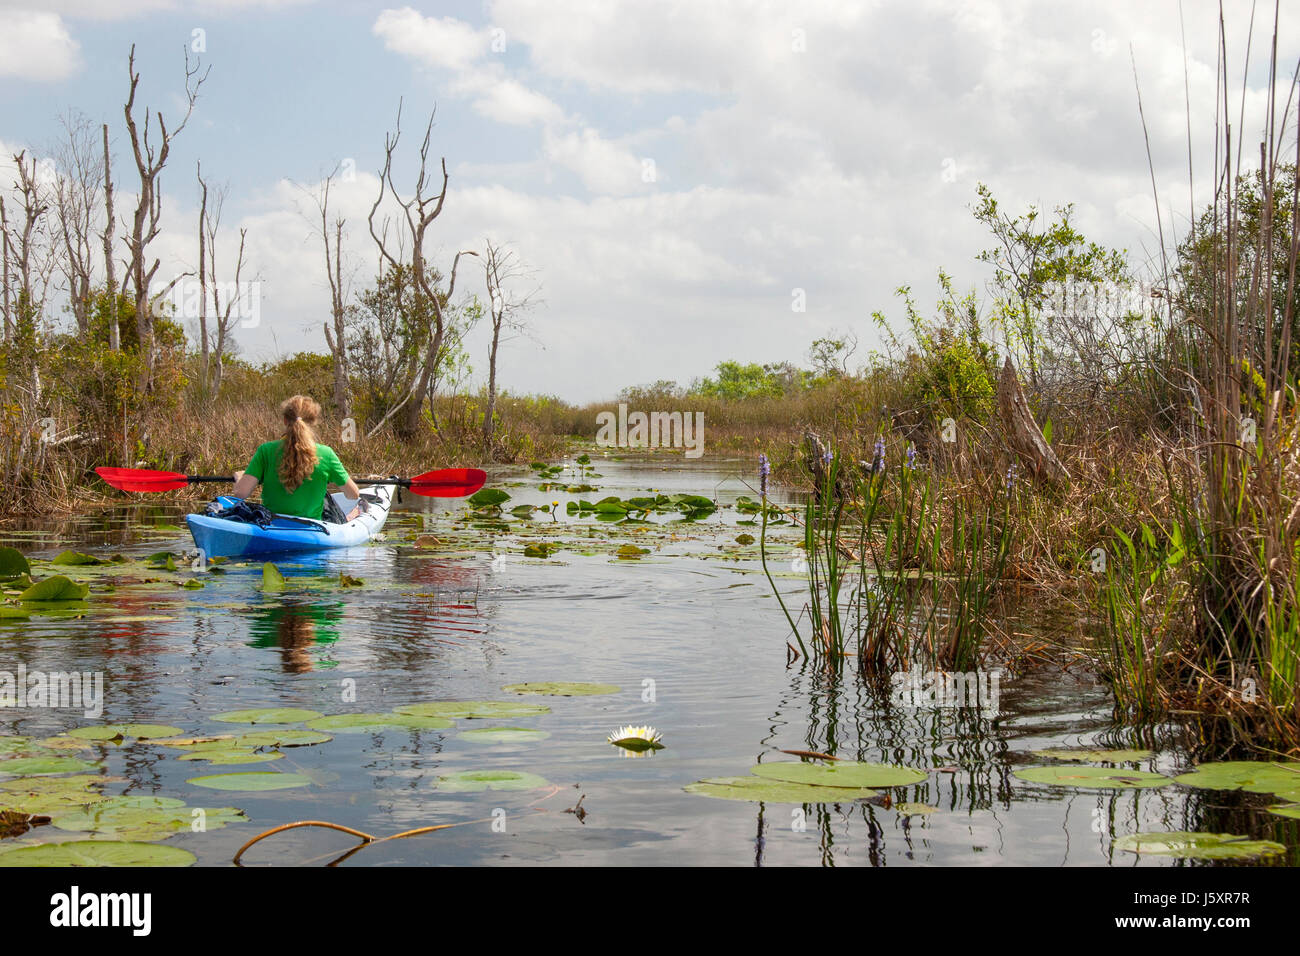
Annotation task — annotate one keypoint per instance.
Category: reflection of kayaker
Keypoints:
(293, 629)
(296, 470)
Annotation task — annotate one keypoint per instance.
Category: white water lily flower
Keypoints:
(637, 738)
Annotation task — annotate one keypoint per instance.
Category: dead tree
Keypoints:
(110, 267)
(23, 247)
(418, 213)
(331, 234)
(76, 202)
(149, 162)
(502, 270)
(225, 296)
(1023, 434)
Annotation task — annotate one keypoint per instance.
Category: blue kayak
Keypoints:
(222, 537)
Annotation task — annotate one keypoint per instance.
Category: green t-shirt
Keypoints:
(308, 499)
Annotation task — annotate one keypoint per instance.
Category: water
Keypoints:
(691, 636)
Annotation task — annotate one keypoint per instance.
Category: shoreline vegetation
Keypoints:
(1123, 439)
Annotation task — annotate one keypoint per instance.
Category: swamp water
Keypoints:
(450, 608)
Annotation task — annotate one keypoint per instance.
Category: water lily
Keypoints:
(637, 738)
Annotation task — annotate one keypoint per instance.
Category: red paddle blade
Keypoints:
(141, 479)
(448, 482)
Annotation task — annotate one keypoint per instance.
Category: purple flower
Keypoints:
(1011, 475)
(911, 457)
(828, 456)
(764, 469)
(878, 460)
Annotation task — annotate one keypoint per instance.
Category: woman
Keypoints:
(295, 471)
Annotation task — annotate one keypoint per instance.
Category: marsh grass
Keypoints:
(901, 565)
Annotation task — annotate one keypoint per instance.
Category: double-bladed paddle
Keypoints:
(443, 483)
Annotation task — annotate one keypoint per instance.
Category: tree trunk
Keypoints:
(1023, 433)
(110, 269)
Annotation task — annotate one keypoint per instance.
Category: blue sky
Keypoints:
(828, 147)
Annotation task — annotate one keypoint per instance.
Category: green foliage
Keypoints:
(736, 382)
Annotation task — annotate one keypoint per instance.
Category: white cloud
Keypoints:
(36, 46)
(444, 43)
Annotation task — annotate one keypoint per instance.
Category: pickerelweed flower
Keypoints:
(764, 469)
(828, 456)
(878, 459)
(1011, 475)
(911, 457)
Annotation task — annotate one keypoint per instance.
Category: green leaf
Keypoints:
(374, 723)
(76, 558)
(1093, 777)
(268, 715)
(1253, 776)
(473, 781)
(630, 552)
(758, 789)
(144, 818)
(112, 731)
(12, 563)
(840, 774)
(1047, 431)
(23, 766)
(1199, 846)
(253, 781)
(272, 579)
(488, 498)
(56, 588)
(97, 853)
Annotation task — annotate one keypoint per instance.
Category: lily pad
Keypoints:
(97, 853)
(370, 723)
(562, 688)
(840, 774)
(915, 809)
(251, 781)
(113, 731)
(1291, 810)
(232, 756)
(74, 558)
(268, 715)
(488, 498)
(503, 735)
(13, 564)
(1254, 776)
(143, 818)
(272, 579)
(45, 795)
(1199, 846)
(473, 709)
(24, 766)
(472, 781)
(1093, 777)
(762, 790)
(1097, 756)
(55, 588)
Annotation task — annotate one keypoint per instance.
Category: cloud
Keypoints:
(36, 46)
(443, 43)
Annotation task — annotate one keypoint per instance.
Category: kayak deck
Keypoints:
(221, 537)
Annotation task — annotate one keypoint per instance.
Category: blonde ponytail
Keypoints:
(298, 459)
